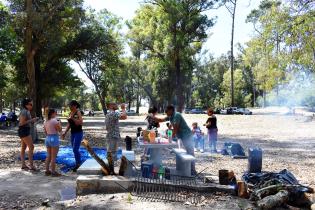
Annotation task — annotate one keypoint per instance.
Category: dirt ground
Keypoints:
(287, 141)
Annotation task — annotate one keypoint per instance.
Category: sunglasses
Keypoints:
(30, 104)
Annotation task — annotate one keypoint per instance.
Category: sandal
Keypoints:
(55, 174)
(47, 173)
(34, 169)
(26, 168)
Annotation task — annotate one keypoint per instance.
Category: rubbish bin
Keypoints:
(254, 160)
(128, 141)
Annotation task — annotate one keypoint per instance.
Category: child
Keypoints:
(211, 125)
(52, 126)
(198, 137)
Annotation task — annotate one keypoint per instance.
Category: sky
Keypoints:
(218, 43)
(220, 35)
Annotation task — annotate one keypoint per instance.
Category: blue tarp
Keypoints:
(66, 157)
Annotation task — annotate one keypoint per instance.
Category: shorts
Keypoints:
(52, 140)
(24, 131)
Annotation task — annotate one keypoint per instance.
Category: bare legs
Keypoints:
(51, 159)
(27, 142)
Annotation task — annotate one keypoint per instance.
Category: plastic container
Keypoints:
(161, 172)
(167, 173)
(254, 160)
(128, 141)
(130, 155)
(169, 135)
(152, 136)
(119, 153)
(146, 168)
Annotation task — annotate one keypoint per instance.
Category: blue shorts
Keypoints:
(52, 140)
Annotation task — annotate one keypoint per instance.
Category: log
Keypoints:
(273, 189)
(110, 163)
(242, 189)
(123, 166)
(272, 201)
(104, 167)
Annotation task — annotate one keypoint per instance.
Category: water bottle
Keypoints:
(161, 172)
(169, 135)
(119, 153)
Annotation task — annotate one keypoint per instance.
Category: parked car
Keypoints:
(196, 111)
(187, 111)
(229, 110)
(223, 111)
(217, 111)
(131, 112)
(243, 111)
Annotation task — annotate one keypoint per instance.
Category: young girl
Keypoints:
(52, 127)
(211, 125)
(198, 137)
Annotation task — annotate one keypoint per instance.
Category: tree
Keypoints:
(207, 80)
(172, 32)
(47, 24)
(100, 62)
(231, 7)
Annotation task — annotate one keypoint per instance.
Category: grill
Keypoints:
(172, 188)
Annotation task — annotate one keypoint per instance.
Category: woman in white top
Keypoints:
(52, 127)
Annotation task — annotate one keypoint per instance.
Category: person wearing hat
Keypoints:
(75, 122)
(112, 126)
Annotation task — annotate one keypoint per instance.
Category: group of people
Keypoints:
(199, 136)
(190, 138)
(53, 131)
(180, 130)
(8, 120)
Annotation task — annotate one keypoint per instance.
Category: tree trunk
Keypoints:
(30, 53)
(1, 107)
(102, 100)
(179, 86)
(38, 106)
(232, 55)
(138, 103)
(14, 106)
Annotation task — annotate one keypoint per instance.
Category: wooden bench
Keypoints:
(183, 162)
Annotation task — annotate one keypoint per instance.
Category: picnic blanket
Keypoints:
(65, 156)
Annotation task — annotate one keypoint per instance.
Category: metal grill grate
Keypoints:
(175, 188)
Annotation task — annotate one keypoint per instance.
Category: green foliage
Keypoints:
(100, 62)
(168, 34)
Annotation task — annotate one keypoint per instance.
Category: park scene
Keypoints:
(157, 104)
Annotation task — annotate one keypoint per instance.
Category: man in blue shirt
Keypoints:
(181, 130)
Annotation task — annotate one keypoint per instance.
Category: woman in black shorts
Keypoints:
(24, 133)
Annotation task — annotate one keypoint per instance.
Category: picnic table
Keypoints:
(156, 149)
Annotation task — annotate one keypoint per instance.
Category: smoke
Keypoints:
(299, 90)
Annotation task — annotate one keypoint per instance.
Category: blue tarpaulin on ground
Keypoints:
(65, 156)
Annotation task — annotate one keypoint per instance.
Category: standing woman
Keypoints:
(75, 122)
(211, 125)
(52, 127)
(24, 132)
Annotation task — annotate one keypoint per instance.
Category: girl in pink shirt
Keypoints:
(52, 126)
